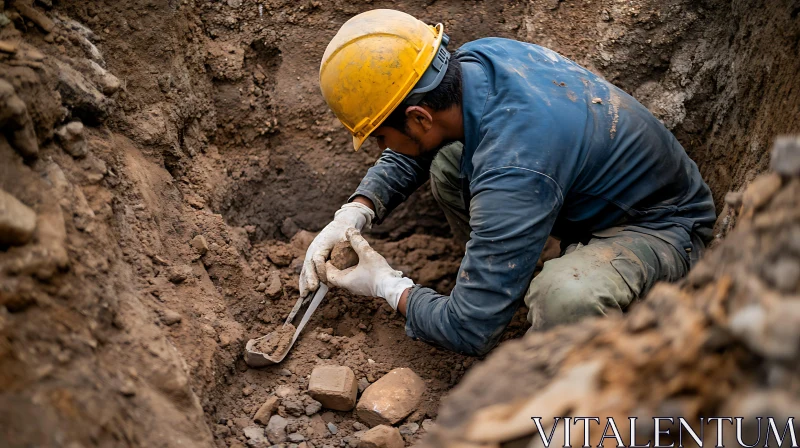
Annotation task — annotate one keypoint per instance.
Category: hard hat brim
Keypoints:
(357, 142)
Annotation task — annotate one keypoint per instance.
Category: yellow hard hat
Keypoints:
(377, 60)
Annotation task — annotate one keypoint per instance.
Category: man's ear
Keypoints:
(419, 117)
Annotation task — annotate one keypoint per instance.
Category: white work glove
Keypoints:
(372, 276)
(351, 215)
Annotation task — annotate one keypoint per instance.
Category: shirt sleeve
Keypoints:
(392, 180)
(512, 212)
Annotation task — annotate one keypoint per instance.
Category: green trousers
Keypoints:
(603, 277)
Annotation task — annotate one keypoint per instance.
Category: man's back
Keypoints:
(613, 162)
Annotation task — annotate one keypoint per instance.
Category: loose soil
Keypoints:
(278, 342)
(177, 233)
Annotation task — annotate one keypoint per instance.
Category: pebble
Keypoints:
(200, 244)
(247, 390)
(284, 372)
(786, 155)
(332, 428)
(255, 434)
(284, 391)
(169, 317)
(428, 424)
(313, 407)
(17, 221)
(296, 437)
(358, 426)
(266, 410)
(382, 436)
(72, 140)
(409, 429)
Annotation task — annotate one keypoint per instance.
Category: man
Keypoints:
(519, 143)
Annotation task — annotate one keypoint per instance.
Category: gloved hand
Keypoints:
(372, 276)
(351, 215)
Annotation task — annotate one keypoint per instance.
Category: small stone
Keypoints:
(363, 384)
(247, 390)
(409, 429)
(343, 256)
(334, 386)
(332, 428)
(169, 317)
(284, 391)
(313, 407)
(17, 221)
(382, 436)
(786, 155)
(261, 287)
(293, 406)
(428, 424)
(276, 429)
(280, 254)
(255, 434)
(324, 354)
(284, 372)
(200, 244)
(358, 426)
(179, 273)
(72, 140)
(266, 410)
(391, 398)
(295, 437)
(273, 286)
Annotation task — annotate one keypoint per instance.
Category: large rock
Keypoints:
(17, 221)
(391, 398)
(334, 386)
(81, 95)
(382, 436)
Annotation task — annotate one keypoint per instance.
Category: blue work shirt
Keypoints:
(549, 147)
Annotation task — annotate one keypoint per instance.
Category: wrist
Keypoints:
(392, 289)
(355, 214)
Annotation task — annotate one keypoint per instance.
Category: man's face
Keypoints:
(389, 137)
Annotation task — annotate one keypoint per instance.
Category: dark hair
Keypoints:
(446, 95)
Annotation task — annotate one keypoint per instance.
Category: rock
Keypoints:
(285, 372)
(16, 122)
(334, 386)
(409, 429)
(72, 140)
(169, 317)
(276, 429)
(284, 391)
(343, 256)
(280, 254)
(200, 244)
(17, 221)
(363, 384)
(293, 406)
(179, 274)
(332, 428)
(358, 426)
(317, 428)
(313, 407)
(81, 96)
(296, 437)
(255, 435)
(247, 390)
(273, 286)
(266, 410)
(428, 425)
(35, 16)
(382, 436)
(108, 83)
(786, 155)
(391, 398)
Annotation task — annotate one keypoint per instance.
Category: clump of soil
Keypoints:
(278, 342)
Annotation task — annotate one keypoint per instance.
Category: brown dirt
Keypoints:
(205, 119)
(278, 342)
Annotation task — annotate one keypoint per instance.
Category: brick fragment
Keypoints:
(333, 386)
(391, 398)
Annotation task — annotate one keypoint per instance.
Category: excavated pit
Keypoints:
(179, 234)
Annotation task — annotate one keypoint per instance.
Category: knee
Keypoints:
(560, 295)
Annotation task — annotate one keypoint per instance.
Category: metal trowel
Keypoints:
(342, 256)
(255, 358)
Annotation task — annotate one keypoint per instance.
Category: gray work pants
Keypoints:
(605, 276)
